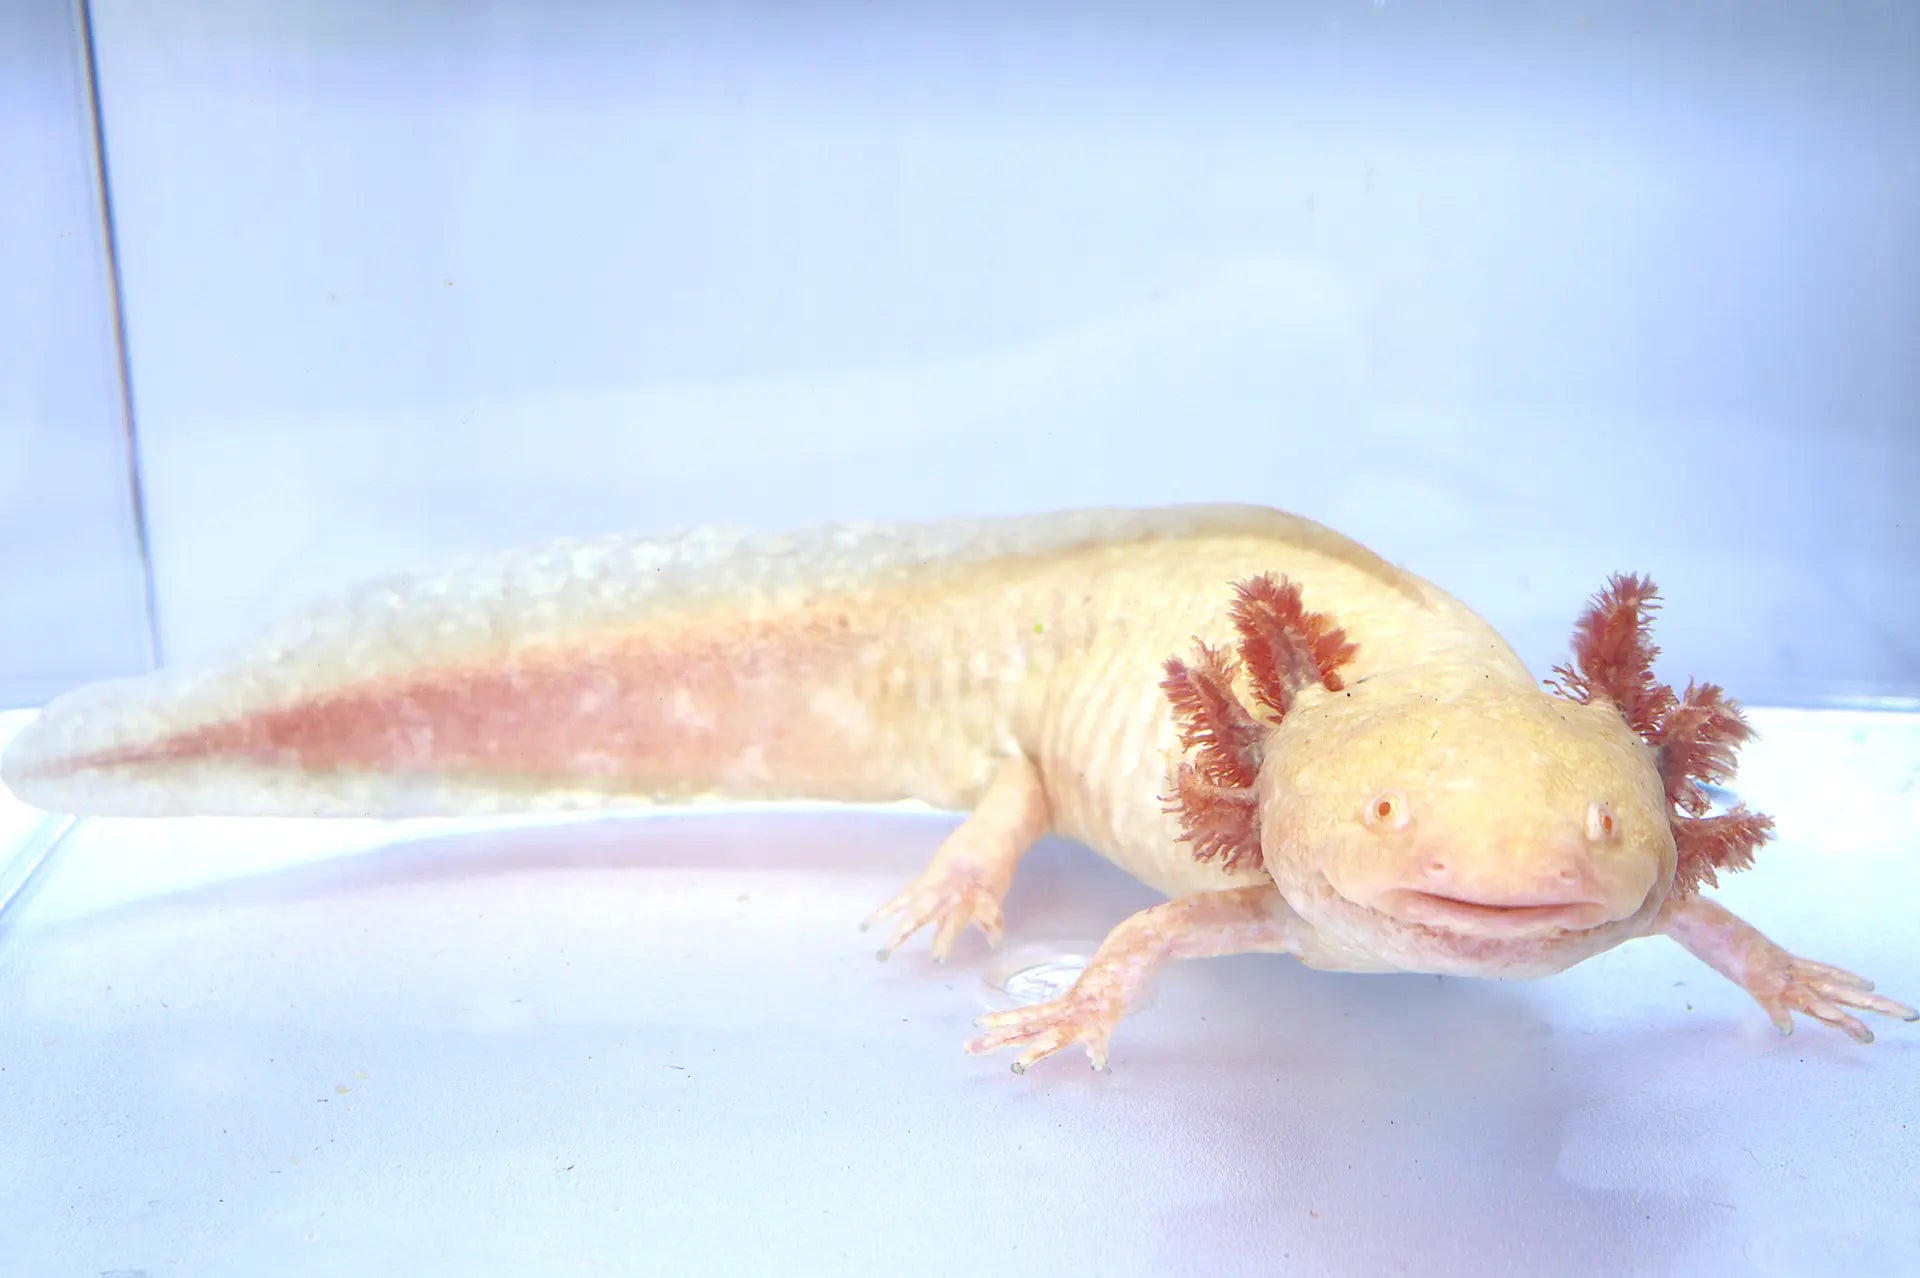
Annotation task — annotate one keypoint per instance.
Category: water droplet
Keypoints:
(1039, 973)
(1045, 980)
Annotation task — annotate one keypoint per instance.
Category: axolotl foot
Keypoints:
(1206, 924)
(1782, 983)
(950, 897)
(1046, 1028)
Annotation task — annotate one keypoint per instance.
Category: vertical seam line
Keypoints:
(130, 432)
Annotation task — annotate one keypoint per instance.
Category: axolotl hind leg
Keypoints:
(1780, 982)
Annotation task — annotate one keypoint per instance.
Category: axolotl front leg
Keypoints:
(1204, 925)
(1285, 649)
(1257, 920)
(966, 883)
(968, 878)
(1782, 983)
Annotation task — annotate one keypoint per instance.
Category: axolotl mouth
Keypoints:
(1483, 918)
(1460, 933)
(1526, 946)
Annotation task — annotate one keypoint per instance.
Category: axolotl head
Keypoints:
(1487, 828)
(1455, 817)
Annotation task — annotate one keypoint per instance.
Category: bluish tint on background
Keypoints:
(1520, 294)
(73, 602)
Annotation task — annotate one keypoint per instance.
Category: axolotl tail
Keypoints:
(866, 663)
(712, 666)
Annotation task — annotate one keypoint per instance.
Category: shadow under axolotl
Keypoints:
(1415, 1125)
(1426, 1134)
(1378, 1124)
(1062, 892)
(784, 847)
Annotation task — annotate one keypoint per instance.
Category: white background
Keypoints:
(1521, 294)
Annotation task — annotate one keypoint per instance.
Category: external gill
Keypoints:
(1283, 649)
(1695, 737)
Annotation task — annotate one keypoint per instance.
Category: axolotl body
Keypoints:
(1307, 749)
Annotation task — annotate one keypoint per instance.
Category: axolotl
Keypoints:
(1305, 748)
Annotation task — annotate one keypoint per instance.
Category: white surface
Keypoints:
(659, 1047)
(1520, 294)
(72, 601)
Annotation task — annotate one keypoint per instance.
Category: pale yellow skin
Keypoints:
(1440, 813)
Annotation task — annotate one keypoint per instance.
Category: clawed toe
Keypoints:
(1826, 994)
(950, 904)
(1781, 982)
(1045, 1029)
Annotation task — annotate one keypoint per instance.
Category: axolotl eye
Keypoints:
(1601, 825)
(1385, 811)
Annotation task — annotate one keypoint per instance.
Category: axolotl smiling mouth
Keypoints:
(1454, 924)
(1479, 933)
(1562, 895)
(1491, 918)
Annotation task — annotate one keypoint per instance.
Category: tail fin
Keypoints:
(582, 674)
(714, 665)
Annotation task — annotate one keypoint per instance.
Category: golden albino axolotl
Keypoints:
(1305, 748)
